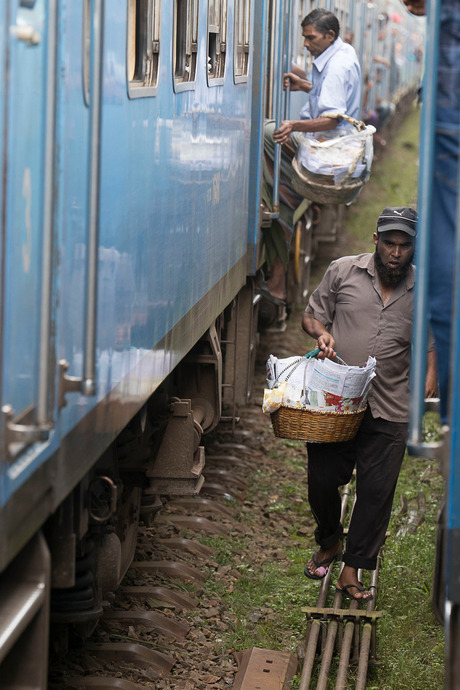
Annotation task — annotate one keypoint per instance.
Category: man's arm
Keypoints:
(318, 124)
(297, 80)
(431, 381)
(324, 340)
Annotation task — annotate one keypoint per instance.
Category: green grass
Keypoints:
(393, 183)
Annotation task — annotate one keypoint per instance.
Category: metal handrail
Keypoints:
(43, 412)
(420, 327)
(88, 384)
(278, 87)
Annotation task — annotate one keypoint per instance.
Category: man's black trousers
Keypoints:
(377, 451)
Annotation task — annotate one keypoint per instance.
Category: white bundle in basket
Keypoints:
(308, 383)
(346, 155)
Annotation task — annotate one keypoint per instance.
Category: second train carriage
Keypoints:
(131, 148)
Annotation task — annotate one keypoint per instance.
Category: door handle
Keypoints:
(87, 383)
(27, 34)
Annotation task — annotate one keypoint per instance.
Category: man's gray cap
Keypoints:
(398, 218)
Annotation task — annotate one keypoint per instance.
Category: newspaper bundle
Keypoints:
(306, 383)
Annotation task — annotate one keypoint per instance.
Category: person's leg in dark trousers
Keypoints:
(330, 465)
(380, 448)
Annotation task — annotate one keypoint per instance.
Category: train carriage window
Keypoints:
(241, 40)
(217, 41)
(185, 44)
(143, 47)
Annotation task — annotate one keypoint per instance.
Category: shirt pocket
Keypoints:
(398, 329)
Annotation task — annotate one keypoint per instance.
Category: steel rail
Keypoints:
(345, 651)
(367, 635)
(314, 627)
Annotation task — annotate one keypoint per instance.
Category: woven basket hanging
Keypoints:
(315, 426)
(321, 188)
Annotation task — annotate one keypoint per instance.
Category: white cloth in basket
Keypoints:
(350, 153)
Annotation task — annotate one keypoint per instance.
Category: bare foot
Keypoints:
(349, 585)
(317, 566)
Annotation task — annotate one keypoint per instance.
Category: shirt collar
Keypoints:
(320, 61)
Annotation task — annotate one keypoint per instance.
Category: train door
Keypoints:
(27, 226)
(27, 49)
(283, 208)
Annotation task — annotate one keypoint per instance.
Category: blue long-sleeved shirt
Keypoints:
(336, 82)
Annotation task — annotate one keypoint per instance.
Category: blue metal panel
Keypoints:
(24, 193)
(173, 225)
(25, 43)
(173, 205)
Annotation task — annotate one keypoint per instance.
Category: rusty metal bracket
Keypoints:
(135, 653)
(264, 669)
(313, 612)
(101, 682)
(173, 569)
(190, 545)
(193, 522)
(200, 505)
(150, 619)
(165, 597)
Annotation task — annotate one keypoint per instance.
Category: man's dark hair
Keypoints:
(323, 21)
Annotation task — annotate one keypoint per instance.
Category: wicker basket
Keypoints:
(316, 426)
(321, 188)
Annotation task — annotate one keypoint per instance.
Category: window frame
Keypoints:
(190, 45)
(152, 35)
(219, 30)
(242, 29)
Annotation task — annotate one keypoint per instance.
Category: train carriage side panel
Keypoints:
(29, 434)
(172, 250)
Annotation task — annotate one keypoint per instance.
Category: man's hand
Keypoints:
(283, 134)
(296, 83)
(431, 380)
(324, 340)
(416, 7)
(326, 344)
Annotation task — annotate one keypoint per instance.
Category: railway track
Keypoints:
(168, 624)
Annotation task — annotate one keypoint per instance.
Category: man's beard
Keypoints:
(390, 277)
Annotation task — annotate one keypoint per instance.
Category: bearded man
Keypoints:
(363, 306)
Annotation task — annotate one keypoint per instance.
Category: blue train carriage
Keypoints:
(130, 153)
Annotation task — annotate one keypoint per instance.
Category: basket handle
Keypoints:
(359, 124)
(294, 365)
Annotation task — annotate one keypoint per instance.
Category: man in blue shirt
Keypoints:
(335, 86)
(336, 78)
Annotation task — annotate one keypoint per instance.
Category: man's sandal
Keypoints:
(319, 566)
(360, 588)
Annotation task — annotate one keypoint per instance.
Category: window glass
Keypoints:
(185, 43)
(217, 40)
(241, 47)
(143, 46)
